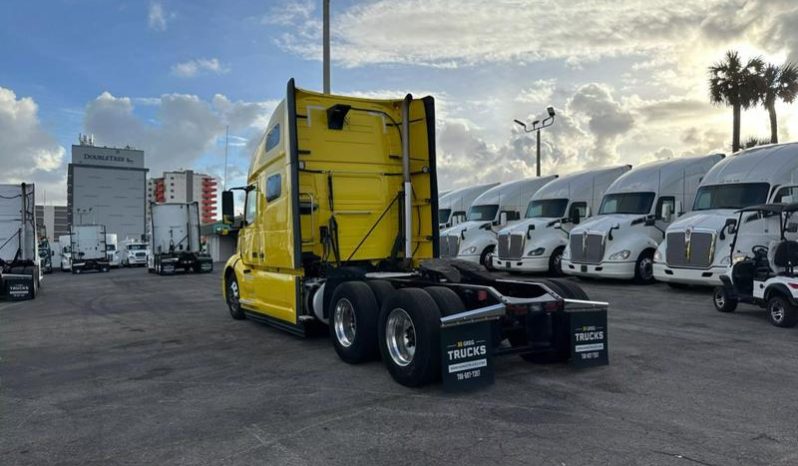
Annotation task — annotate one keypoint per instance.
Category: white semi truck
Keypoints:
(475, 239)
(536, 244)
(88, 249)
(696, 247)
(111, 244)
(65, 253)
(453, 206)
(20, 264)
(175, 239)
(621, 240)
(134, 252)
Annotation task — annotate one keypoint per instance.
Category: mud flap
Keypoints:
(467, 356)
(587, 330)
(17, 287)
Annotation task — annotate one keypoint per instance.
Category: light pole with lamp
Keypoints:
(538, 125)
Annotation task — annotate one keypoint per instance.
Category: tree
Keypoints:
(778, 82)
(737, 85)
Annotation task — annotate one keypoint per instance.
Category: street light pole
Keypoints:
(536, 126)
(326, 44)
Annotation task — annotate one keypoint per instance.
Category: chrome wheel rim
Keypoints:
(400, 337)
(344, 322)
(646, 269)
(720, 300)
(777, 312)
(233, 295)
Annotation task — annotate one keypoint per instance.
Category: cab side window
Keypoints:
(251, 205)
(273, 137)
(789, 191)
(663, 201)
(273, 187)
(577, 212)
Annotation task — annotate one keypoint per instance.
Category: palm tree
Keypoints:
(736, 85)
(778, 82)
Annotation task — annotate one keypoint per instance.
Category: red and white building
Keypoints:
(186, 186)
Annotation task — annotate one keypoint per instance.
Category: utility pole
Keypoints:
(226, 141)
(326, 44)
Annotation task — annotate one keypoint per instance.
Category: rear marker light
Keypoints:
(793, 285)
(482, 295)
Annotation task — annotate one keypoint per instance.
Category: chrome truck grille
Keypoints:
(588, 249)
(141, 254)
(694, 250)
(450, 245)
(511, 246)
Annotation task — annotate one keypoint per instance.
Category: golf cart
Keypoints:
(766, 278)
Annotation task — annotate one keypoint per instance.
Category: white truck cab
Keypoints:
(621, 240)
(696, 247)
(134, 252)
(496, 208)
(536, 244)
(453, 206)
(66, 253)
(112, 247)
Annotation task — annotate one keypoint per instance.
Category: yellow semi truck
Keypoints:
(340, 230)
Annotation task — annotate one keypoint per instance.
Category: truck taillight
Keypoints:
(482, 295)
(794, 286)
(517, 309)
(553, 306)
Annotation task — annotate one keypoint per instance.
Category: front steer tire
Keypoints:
(353, 322)
(233, 295)
(410, 320)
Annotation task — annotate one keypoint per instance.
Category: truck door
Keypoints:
(247, 236)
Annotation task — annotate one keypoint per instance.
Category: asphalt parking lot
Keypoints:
(132, 368)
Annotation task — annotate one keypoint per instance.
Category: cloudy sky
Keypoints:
(627, 77)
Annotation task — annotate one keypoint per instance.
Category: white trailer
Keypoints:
(696, 248)
(88, 249)
(536, 244)
(621, 240)
(175, 239)
(453, 206)
(133, 252)
(112, 249)
(20, 264)
(475, 239)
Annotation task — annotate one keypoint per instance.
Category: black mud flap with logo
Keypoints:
(17, 288)
(466, 356)
(588, 334)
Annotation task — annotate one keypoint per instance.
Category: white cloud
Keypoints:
(191, 68)
(288, 13)
(185, 127)
(157, 17)
(28, 151)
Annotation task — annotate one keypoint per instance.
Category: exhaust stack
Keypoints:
(408, 188)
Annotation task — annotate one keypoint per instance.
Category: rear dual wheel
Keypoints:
(353, 322)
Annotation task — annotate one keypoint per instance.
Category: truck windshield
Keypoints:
(137, 247)
(731, 196)
(627, 203)
(443, 215)
(546, 208)
(482, 212)
(110, 247)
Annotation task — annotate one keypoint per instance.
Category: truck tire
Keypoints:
(555, 262)
(483, 258)
(353, 322)
(233, 295)
(410, 338)
(644, 268)
(381, 289)
(722, 301)
(447, 300)
(781, 312)
(574, 291)
(556, 287)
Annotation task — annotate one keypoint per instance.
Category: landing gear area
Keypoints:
(170, 264)
(767, 277)
(90, 265)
